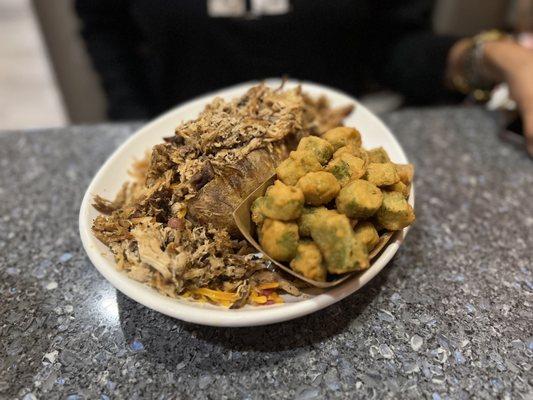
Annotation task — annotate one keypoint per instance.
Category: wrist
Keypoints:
(504, 56)
(472, 69)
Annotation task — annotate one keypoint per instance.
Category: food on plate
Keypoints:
(318, 187)
(346, 167)
(382, 174)
(322, 149)
(367, 233)
(359, 199)
(308, 217)
(279, 239)
(354, 150)
(282, 202)
(336, 240)
(256, 213)
(353, 199)
(405, 172)
(378, 155)
(297, 165)
(345, 216)
(395, 212)
(308, 261)
(343, 136)
(171, 226)
(398, 187)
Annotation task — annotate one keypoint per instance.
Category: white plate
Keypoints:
(113, 173)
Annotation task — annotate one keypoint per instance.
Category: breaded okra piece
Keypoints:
(279, 239)
(318, 187)
(399, 187)
(308, 261)
(354, 150)
(378, 155)
(346, 168)
(405, 172)
(395, 213)
(335, 238)
(366, 233)
(256, 211)
(359, 199)
(342, 136)
(321, 148)
(282, 202)
(297, 165)
(381, 174)
(311, 215)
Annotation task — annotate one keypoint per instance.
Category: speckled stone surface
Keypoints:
(450, 317)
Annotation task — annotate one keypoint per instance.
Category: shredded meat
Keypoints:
(171, 226)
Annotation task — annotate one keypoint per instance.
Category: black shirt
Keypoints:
(153, 54)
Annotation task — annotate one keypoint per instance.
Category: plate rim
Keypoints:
(212, 315)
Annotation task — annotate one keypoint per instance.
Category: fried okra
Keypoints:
(318, 187)
(367, 234)
(378, 155)
(279, 239)
(359, 199)
(310, 215)
(395, 213)
(335, 238)
(322, 149)
(342, 136)
(256, 210)
(382, 174)
(346, 167)
(297, 165)
(399, 187)
(282, 202)
(405, 173)
(308, 261)
(354, 150)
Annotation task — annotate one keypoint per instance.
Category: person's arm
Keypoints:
(419, 63)
(112, 41)
(504, 61)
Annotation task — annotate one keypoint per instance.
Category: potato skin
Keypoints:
(318, 187)
(322, 149)
(359, 199)
(395, 212)
(282, 202)
(342, 136)
(308, 262)
(215, 202)
(279, 239)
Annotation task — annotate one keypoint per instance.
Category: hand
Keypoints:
(513, 64)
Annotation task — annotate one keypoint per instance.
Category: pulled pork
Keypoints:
(170, 226)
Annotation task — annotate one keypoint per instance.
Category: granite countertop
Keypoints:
(449, 317)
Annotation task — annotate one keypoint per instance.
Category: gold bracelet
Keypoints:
(473, 80)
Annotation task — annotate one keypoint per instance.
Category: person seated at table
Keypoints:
(153, 54)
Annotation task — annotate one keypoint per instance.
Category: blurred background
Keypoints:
(46, 77)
